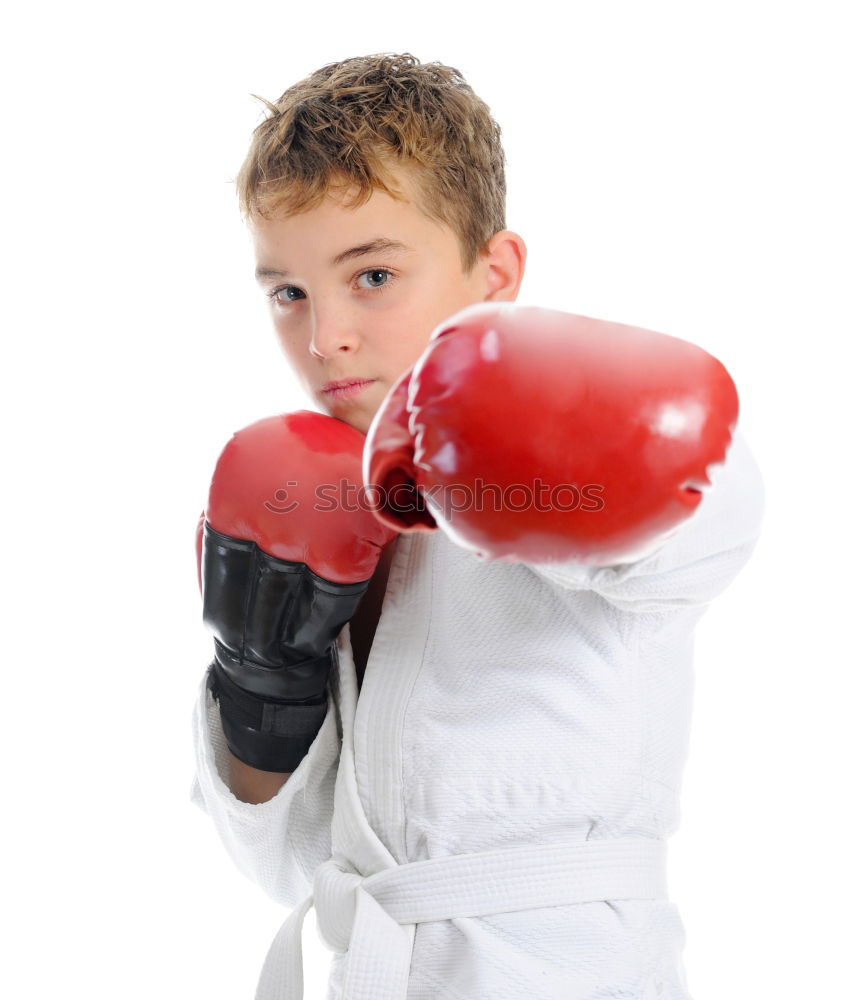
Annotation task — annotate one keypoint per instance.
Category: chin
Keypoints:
(361, 421)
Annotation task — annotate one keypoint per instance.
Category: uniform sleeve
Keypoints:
(694, 563)
(279, 843)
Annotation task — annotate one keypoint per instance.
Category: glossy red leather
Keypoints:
(620, 424)
(293, 485)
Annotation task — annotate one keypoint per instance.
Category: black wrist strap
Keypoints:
(270, 736)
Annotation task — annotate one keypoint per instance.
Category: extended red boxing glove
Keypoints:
(287, 550)
(534, 435)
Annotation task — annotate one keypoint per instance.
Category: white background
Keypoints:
(690, 167)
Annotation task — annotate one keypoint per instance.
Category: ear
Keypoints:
(504, 266)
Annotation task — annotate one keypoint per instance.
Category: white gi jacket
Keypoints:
(488, 820)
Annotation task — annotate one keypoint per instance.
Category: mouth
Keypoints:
(344, 388)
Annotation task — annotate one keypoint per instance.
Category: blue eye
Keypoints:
(296, 293)
(379, 277)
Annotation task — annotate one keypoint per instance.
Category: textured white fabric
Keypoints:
(369, 917)
(505, 708)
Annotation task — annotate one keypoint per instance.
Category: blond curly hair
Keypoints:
(348, 123)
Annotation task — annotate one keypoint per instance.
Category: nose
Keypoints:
(332, 332)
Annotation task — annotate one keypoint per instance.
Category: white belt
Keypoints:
(374, 919)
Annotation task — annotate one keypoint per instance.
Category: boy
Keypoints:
(479, 786)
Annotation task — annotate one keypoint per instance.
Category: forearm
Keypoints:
(251, 785)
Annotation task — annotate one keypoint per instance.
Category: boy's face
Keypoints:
(350, 309)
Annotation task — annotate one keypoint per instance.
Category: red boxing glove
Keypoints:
(288, 548)
(539, 436)
(389, 467)
(292, 484)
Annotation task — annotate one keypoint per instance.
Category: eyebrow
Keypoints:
(379, 245)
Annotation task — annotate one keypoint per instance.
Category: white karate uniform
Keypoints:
(488, 819)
